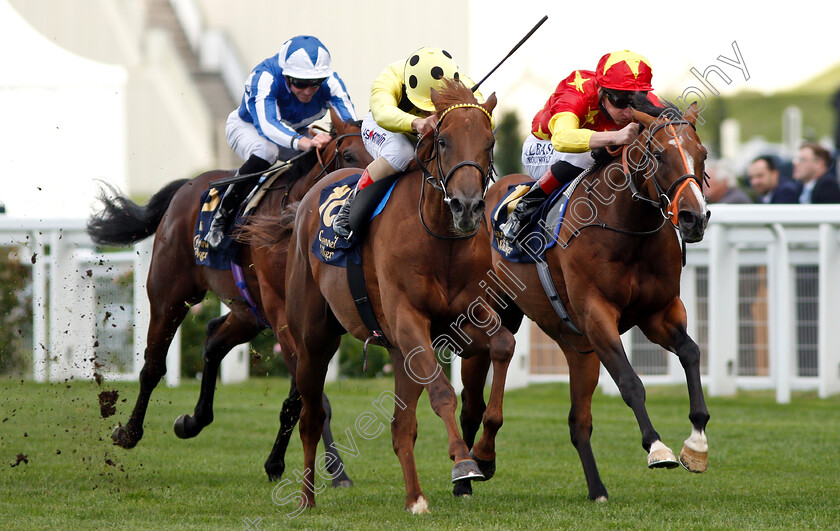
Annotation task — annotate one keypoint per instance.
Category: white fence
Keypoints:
(762, 291)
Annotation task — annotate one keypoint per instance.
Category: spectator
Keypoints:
(723, 185)
(764, 179)
(810, 167)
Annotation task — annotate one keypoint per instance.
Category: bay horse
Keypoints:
(422, 263)
(617, 265)
(175, 282)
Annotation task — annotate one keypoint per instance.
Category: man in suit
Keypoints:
(763, 173)
(810, 167)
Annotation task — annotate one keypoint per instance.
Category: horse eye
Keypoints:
(348, 157)
(657, 155)
(441, 142)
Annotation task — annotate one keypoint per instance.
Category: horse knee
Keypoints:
(580, 427)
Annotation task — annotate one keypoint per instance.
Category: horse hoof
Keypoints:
(462, 489)
(694, 461)
(488, 468)
(466, 469)
(275, 471)
(123, 438)
(180, 427)
(421, 506)
(662, 457)
(601, 499)
(342, 483)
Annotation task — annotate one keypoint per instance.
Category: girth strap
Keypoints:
(554, 297)
(356, 281)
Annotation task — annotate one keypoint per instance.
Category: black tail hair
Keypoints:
(122, 221)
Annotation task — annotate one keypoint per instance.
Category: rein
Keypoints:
(439, 183)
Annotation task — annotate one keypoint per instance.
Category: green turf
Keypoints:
(771, 466)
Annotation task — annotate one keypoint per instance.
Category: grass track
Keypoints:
(771, 466)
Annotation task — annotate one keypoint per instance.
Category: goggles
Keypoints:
(621, 99)
(305, 83)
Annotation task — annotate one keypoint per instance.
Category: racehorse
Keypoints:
(617, 265)
(175, 282)
(422, 262)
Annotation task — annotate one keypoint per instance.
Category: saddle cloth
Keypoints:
(227, 251)
(327, 246)
(540, 232)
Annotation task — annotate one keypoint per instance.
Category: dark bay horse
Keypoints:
(617, 265)
(424, 257)
(175, 282)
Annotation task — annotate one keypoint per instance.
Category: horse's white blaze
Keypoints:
(698, 195)
(421, 506)
(697, 441)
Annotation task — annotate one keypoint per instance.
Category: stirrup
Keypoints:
(216, 232)
(341, 223)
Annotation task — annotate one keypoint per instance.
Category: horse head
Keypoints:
(463, 147)
(346, 149)
(671, 157)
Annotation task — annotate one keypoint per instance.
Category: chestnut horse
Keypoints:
(617, 265)
(175, 282)
(423, 261)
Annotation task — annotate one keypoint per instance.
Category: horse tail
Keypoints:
(273, 232)
(123, 222)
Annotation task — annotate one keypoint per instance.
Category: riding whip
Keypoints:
(520, 43)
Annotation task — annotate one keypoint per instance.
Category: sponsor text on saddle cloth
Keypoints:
(227, 251)
(546, 222)
(327, 246)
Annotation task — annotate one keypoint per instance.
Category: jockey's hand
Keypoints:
(424, 125)
(318, 141)
(627, 134)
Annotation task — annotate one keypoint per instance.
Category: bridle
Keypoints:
(439, 183)
(667, 206)
(339, 165)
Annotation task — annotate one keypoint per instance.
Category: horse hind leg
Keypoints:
(223, 333)
(335, 466)
(167, 312)
(583, 378)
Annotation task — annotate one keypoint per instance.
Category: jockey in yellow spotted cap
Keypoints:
(589, 109)
(401, 110)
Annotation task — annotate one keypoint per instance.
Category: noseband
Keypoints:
(667, 206)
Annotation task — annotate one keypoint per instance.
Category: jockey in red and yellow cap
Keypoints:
(589, 109)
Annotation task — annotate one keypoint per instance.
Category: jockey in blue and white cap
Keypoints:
(283, 96)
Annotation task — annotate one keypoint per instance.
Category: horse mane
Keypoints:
(452, 93)
(641, 103)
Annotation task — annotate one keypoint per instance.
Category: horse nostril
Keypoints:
(456, 206)
(478, 207)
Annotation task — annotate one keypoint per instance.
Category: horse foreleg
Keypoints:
(501, 348)
(335, 467)
(275, 465)
(422, 367)
(473, 375)
(404, 432)
(669, 331)
(583, 378)
(602, 324)
(223, 333)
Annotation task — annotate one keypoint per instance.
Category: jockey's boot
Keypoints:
(341, 223)
(231, 199)
(527, 205)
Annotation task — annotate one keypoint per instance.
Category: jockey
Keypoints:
(401, 111)
(283, 96)
(587, 110)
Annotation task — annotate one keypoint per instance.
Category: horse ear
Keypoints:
(642, 118)
(692, 113)
(337, 122)
(435, 96)
(490, 104)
